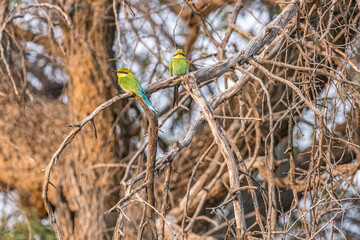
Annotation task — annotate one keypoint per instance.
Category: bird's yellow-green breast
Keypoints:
(179, 64)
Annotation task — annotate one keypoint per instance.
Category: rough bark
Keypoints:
(82, 196)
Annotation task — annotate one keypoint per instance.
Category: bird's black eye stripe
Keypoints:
(179, 54)
(123, 72)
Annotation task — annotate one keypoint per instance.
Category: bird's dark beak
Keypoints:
(115, 71)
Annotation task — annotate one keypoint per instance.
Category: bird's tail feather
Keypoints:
(149, 105)
(146, 100)
(176, 96)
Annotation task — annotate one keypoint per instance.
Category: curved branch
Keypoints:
(220, 139)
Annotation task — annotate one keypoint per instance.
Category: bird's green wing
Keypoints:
(171, 68)
(180, 66)
(139, 87)
(135, 85)
(130, 83)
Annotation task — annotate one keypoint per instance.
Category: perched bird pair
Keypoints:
(131, 84)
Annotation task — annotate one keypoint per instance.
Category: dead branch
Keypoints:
(217, 131)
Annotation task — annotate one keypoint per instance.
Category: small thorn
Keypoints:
(74, 125)
(52, 184)
(93, 123)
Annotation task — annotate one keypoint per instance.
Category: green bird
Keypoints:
(179, 65)
(131, 84)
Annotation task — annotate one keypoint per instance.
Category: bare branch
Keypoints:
(217, 131)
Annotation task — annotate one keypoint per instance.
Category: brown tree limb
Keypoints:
(165, 206)
(291, 174)
(290, 84)
(150, 166)
(220, 139)
(56, 155)
(271, 215)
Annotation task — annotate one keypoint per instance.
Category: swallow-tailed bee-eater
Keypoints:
(131, 84)
(179, 65)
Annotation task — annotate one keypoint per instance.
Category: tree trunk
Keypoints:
(82, 194)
